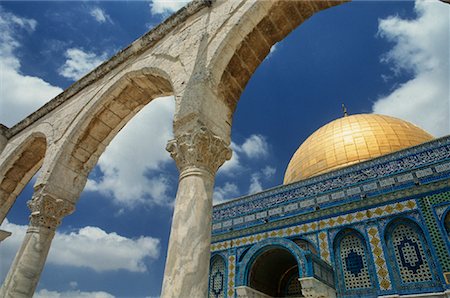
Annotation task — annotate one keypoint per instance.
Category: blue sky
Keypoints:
(385, 57)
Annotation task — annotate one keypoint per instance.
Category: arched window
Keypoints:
(351, 263)
(407, 249)
(410, 257)
(217, 280)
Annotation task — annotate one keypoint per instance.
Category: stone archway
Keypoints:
(219, 46)
(65, 171)
(275, 273)
(19, 168)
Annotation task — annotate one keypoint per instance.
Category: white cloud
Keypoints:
(222, 194)
(100, 15)
(79, 63)
(255, 184)
(71, 294)
(255, 179)
(166, 6)
(138, 149)
(20, 94)
(88, 247)
(232, 165)
(268, 172)
(255, 147)
(421, 46)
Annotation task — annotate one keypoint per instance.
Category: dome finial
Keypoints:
(344, 109)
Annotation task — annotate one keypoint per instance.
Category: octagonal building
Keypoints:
(364, 211)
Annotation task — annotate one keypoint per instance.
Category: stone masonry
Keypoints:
(204, 55)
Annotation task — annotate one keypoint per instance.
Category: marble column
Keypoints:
(46, 214)
(198, 155)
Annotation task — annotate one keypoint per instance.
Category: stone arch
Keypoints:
(265, 245)
(353, 267)
(245, 45)
(99, 124)
(217, 285)
(18, 169)
(410, 257)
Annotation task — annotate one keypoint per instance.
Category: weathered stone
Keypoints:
(198, 154)
(204, 55)
(46, 214)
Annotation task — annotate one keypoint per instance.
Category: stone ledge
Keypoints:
(138, 46)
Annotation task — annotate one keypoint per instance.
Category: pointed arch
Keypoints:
(245, 45)
(410, 256)
(354, 268)
(99, 123)
(282, 258)
(217, 285)
(18, 169)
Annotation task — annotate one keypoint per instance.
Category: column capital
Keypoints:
(199, 148)
(47, 211)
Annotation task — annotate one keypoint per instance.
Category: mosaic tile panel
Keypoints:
(217, 279)
(231, 275)
(336, 221)
(324, 247)
(410, 256)
(379, 258)
(426, 205)
(312, 238)
(354, 263)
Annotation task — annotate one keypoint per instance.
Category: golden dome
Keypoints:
(349, 140)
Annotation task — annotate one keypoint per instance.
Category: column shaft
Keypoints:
(187, 264)
(198, 155)
(26, 269)
(24, 274)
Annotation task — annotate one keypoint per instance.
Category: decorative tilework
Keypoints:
(324, 247)
(405, 177)
(424, 172)
(312, 238)
(398, 163)
(217, 278)
(440, 210)
(410, 256)
(231, 275)
(434, 228)
(387, 182)
(443, 167)
(379, 258)
(350, 218)
(354, 263)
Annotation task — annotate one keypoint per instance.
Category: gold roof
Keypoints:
(349, 140)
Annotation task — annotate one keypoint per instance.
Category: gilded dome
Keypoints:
(349, 140)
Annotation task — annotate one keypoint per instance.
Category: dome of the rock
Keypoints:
(349, 140)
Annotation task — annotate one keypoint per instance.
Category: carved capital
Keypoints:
(47, 211)
(199, 148)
